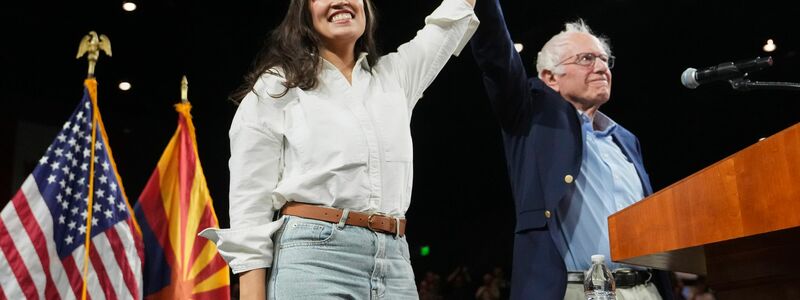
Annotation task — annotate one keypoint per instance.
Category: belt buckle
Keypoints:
(623, 271)
(396, 224)
(627, 277)
(369, 221)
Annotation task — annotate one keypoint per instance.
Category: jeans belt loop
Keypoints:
(396, 227)
(343, 219)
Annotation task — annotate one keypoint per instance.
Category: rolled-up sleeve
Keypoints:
(455, 13)
(447, 30)
(255, 169)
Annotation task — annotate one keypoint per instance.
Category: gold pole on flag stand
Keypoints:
(93, 44)
(184, 90)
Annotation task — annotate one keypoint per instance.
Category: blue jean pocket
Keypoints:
(305, 232)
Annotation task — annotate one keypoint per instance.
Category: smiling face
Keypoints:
(338, 22)
(586, 87)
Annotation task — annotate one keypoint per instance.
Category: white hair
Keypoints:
(552, 52)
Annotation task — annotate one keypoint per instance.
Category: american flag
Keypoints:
(43, 228)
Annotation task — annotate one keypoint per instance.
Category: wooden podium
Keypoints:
(737, 222)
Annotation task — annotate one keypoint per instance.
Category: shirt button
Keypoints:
(568, 179)
(547, 214)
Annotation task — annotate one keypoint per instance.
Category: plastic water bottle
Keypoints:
(598, 283)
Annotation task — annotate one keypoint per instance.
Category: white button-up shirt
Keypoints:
(340, 145)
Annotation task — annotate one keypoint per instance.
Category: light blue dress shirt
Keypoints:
(607, 183)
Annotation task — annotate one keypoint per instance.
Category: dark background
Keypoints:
(461, 202)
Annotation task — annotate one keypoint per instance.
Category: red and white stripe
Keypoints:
(30, 267)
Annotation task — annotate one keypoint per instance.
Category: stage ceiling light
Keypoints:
(129, 6)
(770, 46)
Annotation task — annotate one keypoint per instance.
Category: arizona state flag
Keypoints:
(172, 209)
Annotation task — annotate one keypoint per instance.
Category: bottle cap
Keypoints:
(598, 258)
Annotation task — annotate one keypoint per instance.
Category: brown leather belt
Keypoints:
(375, 222)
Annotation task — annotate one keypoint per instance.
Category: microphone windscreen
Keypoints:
(688, 78)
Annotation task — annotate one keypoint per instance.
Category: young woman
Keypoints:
(321, 156)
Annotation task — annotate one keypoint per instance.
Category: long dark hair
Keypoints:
(294, 47)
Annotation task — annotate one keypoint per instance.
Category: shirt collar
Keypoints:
(603, 123)
(360, 61)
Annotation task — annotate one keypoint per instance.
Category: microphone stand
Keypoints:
(744, 84)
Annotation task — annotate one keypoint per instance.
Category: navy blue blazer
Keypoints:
(543, 148)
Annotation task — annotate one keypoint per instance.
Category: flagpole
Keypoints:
(91, 44)
(184, 90)
(90, 194)
(183, 109)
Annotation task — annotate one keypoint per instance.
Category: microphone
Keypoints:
(692, 78)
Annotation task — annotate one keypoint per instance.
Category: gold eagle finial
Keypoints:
(93, 44)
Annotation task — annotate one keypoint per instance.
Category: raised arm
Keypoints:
(417, 62)
(504, 74)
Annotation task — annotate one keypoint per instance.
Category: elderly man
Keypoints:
(570, 165)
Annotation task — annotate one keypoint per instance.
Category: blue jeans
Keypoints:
(320, 260)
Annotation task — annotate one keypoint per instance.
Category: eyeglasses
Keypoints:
(588, 59)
